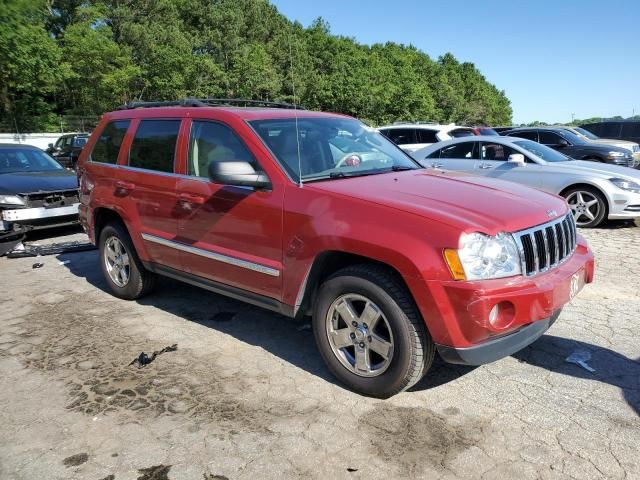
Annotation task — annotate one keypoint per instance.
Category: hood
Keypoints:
(31, 182)
(467, 202)
(604, 170)
(615, 143)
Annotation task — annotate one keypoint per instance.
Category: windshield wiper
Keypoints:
(401, 168)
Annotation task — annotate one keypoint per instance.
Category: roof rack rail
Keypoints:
(210, 102)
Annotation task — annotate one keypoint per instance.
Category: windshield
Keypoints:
(330, 148)
(542, 151)
(586, 133)
(13, 160)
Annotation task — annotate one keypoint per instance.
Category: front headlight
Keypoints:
(11, 200)
(627, 185)
(616, 154)
(481, 257)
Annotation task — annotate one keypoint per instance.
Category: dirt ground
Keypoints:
(246, 395)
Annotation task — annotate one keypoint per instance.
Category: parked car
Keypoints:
(622, 130)
(413, 136)
(631, 146)
(501, 130)
(392, 261)
(594, 191)
(35, 191)
(67, 149)
(574, 146)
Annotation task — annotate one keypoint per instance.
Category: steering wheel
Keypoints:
(349, 160)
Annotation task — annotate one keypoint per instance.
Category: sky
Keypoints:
(552, 58)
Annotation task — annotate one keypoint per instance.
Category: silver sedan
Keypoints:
(594, 191)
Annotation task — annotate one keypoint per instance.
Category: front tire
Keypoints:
(588, 206)
(122, 269)
(369, 331)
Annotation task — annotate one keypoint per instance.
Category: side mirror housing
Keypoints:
(517, 159)
(562, 143)
(237, 173)
(51, 146)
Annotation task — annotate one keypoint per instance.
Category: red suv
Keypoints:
(310, 213)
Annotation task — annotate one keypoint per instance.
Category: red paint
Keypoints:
(402, 219)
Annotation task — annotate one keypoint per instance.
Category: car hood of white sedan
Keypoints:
(603, 169)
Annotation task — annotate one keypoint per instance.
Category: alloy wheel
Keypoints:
(359, 335)
(585, 207)
(116, 259)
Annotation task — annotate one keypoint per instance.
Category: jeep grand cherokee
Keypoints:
(310, 213)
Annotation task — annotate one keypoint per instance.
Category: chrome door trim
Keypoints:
(256, 267)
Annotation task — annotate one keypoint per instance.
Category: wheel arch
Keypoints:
(588, 186)
(103, 216)
(324, 265)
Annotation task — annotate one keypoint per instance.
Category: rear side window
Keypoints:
(528, 135)
(426, 136)
(401, 136)
(108, 144)
(465, 150)
(214, 142)
(154, 145)
(550, 138)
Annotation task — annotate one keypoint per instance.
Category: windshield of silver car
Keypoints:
(329, 148)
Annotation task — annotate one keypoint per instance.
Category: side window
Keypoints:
(154, 145)
(426, 136)
(461, 132)
(402, 136)
(214, 142)
(108, 144)
(495, 151)
(610, 130)
(550, 138)
(464, 150)
(59, 142)
(68, 141)
(528, 135)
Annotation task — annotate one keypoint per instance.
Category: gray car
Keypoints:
(594, 191)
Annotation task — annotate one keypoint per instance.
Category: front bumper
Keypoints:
(36, 218)
(458, 313)
(499, 347)
(624, 205)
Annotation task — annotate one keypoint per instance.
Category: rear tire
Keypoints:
(122, 269)
(383, 357)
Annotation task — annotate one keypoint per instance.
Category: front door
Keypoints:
(460, 157)
(493, 163)
(231, 235)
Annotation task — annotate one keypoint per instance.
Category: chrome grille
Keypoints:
(546, 246)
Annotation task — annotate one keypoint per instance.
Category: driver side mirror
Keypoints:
(51, 146)
(517, 159)
(237, 173)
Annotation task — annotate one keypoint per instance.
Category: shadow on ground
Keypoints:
(293, 340)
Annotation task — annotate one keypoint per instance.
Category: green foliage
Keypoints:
(83, 57)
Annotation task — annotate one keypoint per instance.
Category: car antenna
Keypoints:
(295, 113)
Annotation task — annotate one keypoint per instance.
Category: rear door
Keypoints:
(231, 235)
(147, 187)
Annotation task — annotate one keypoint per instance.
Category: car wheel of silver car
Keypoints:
(120, 264)
(369, 331)
(588, 206)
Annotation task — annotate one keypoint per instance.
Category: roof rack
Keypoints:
(210, 102)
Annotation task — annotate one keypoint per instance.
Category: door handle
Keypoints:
(485, 166)
(436, 165)
(125, 186)
(191, 198)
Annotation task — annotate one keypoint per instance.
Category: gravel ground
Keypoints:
(246, 395)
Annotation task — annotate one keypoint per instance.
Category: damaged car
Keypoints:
(35, 192)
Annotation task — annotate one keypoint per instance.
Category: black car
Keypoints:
(623, 130)
(35, 191)
(574, 146)
(67, 149)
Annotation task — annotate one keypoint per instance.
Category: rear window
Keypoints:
(154, 145)
(108, 144)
